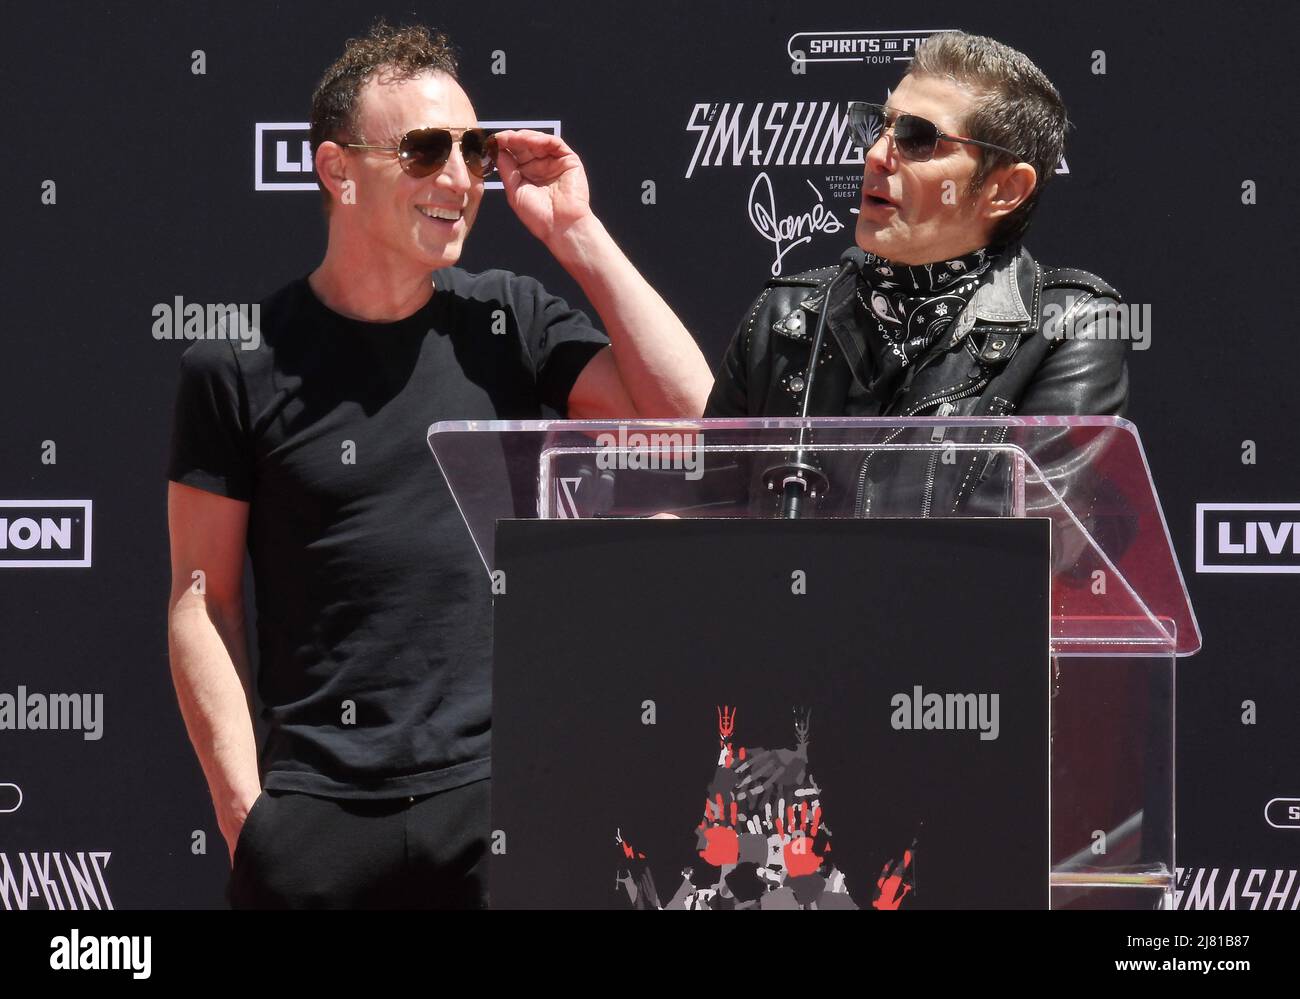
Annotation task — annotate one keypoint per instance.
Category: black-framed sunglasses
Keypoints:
(915, 137)
(422, 152)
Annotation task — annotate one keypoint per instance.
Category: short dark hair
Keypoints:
(402, 54)
(1016, 107)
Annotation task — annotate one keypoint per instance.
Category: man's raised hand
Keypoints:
(544, 181)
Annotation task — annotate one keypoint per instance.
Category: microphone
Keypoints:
(851, 261)
(799, 478)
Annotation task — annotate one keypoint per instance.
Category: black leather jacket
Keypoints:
(1031, 341)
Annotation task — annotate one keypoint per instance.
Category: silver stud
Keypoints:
(796, 384)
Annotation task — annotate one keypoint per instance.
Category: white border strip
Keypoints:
(81, 563)
(1201, 566)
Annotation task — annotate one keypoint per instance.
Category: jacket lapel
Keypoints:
(1003, 303)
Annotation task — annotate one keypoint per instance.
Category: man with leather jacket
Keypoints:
(950, 314)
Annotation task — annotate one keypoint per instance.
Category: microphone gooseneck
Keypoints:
(796, 478)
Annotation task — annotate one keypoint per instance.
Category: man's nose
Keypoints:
(882, 157)
(454, 175)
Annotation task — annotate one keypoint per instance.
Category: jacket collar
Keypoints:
(1000, 299)
(1008, 299)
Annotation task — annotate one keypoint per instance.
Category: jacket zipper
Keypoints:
(863, 507)
(927, 498)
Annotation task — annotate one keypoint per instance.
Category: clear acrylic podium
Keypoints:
(1120, 618)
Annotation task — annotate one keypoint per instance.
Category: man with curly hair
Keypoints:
(373, 610)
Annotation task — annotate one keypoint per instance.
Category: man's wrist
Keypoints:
(239, 799)
(580, 244)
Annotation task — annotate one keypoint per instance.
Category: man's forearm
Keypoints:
(658, 361)
(207, 659)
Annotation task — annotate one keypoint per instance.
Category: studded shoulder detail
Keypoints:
(1073, 277)
(806, 279)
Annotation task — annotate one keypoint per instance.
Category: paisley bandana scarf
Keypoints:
(905, 308)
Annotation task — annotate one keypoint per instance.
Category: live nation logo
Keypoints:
(282, 152)
(37, 534)
(1248, 537)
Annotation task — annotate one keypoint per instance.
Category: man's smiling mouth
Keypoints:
(440, 214)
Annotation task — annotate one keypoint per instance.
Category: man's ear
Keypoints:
(331, 164)
(1009, 188)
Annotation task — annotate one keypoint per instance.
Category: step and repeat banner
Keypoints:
(157, 165)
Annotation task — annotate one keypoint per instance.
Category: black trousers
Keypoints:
(300, 851)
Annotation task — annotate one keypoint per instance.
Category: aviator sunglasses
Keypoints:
(422, 152)
(915, 137)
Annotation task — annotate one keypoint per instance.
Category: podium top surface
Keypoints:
(1117, 588)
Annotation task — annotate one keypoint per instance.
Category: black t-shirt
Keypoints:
(369, 588)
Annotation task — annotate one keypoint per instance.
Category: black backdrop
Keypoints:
(155, 197)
